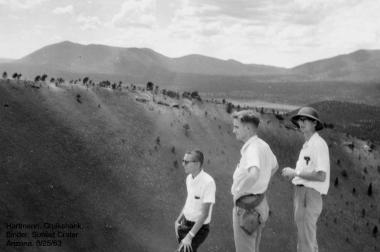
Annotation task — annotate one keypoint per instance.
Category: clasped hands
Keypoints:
(288, 172)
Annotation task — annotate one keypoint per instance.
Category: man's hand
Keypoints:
(186, 244)
(288, 172)
(176, 225)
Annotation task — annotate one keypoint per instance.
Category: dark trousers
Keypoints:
(199, 237)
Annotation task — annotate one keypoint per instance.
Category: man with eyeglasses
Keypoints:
(311, 178)
(250, 182)
(192, 225)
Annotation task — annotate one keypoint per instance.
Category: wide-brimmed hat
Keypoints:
(309, 113)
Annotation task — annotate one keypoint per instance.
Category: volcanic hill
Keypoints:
(110, 159)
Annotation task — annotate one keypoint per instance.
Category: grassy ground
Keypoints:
(96, 160)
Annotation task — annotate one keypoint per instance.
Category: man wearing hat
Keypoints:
(250, 182)
(311, 178)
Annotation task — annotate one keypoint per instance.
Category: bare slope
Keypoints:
(112, 163)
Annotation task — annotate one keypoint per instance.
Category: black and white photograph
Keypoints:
(190, 125)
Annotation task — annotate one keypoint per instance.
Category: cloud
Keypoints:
(292, 31)
(22, 4)
(136, 13)
(89, 22)
(69, 9)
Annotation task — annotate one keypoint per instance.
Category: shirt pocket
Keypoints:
(197, 194)
(308, 161)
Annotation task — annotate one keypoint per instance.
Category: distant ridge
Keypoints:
(4, 60)
(142, 64)
(361, 65)
(135, 61)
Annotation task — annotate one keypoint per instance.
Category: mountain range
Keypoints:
(142, 64)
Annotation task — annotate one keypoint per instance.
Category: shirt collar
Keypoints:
(249, 141)
(200, 174)
(311, 139)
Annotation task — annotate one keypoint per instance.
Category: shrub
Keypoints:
(175, 164)
(344, 173)
(369, 191)
(336, 182)
(279, 117)
(195, 95)
(229, 107)
(171, 94)
(328, 125)
(78, 98)
(374, 231)
(149, 86)
(158, 141)
(186, 127)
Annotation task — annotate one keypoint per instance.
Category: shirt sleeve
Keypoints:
(322, 157)
(252, 158)
(275, 162)
(209, 192)
(187, 184)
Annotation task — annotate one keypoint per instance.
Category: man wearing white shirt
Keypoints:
(250, 180)
(192, 224)
(311, 178)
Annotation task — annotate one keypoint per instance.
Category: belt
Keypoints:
(192, 223)
(249, 201)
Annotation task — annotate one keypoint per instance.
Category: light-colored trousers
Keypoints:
(307, 208)
(243, 241)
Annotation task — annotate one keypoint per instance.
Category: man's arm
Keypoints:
(177, 222)
(308, 175)
(180, 216)
(251, 177)
(313, 175)
(274, 169)
(186, 242)
(198, 224)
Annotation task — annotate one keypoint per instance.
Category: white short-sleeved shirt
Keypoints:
(314, 156)
(200, 190)
(255, 152)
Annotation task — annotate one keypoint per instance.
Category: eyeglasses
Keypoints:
(188, 161)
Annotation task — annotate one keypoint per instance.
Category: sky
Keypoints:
(282, 33)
